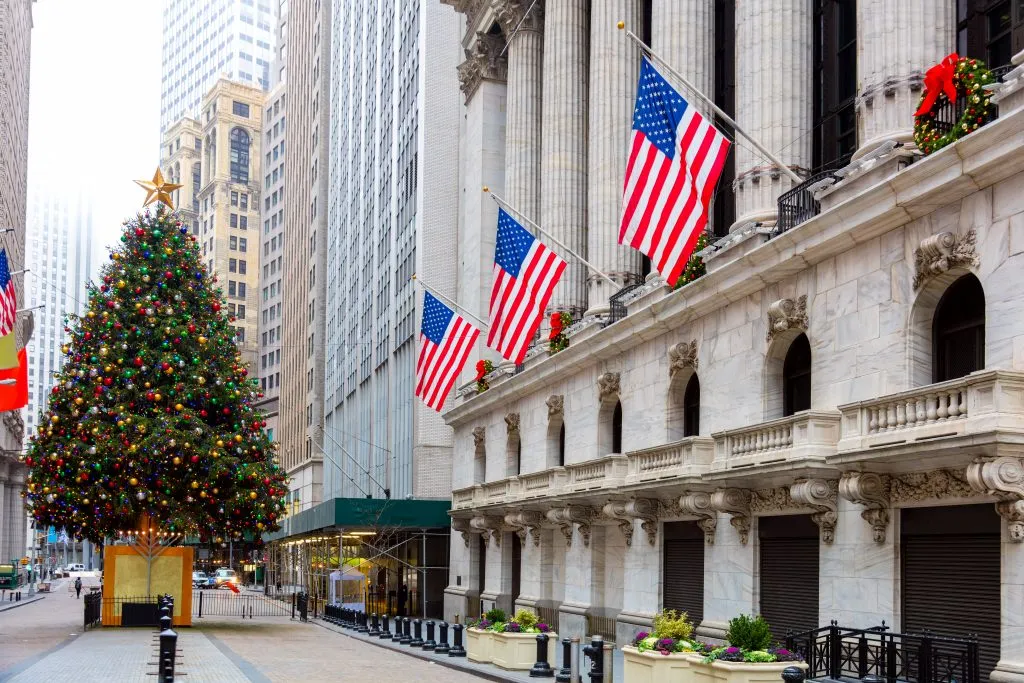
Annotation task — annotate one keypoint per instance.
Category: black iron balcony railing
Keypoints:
(838, 653)
(617, 309)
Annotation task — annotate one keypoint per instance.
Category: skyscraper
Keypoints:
(204, 41)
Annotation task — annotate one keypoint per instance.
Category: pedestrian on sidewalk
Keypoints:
(78, 586)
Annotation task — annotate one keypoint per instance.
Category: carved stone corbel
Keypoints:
(819, 494)
(512, 423)
(489, 528)
(626, 512)
(485, 60)
(698, 504)
(479, 436)
(787, 314)
(608, 385)
(872, 491)
(938, 253)
(682, 356)
(1003, 478)
(556, 406)
(565, 517)
(518, 15)
(525, 522)
(736, 503)
(461, 524)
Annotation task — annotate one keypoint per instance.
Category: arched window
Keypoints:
(796, 377)
(958, 331)
(480, 463)
(197, 181)
(513, 455)
(239, 155)
(617, 428)
(561, 445)
(555, 456)
(691, 407)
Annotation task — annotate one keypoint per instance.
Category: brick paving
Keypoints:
(30, 630)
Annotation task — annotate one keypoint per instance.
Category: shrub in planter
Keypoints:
(494, 615)
(749, 641)
(749, 633)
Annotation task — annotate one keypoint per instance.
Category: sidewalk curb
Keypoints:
(21, 603)
(452, 663)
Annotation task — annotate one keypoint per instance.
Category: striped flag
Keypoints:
(674, 163)
(8, 308)
(445, 342)
(525, 275)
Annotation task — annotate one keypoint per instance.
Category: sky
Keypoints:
(94, 102)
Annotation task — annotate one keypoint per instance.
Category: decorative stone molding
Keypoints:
(933, 485)
(525, 522)
(625, 512)
(15, 424)
(512, 423)
(682, 356)
(872, 491)
(518, 15)
(479, 436)
(489, 528)
(736, 503)
(484, 61)
(1003, 478)
(461, 524)
(556, 405)
(787, 314)
(564, 518)
(820, 495)
(699, 505)
(939, 253)
(608, 385)
(766, 501)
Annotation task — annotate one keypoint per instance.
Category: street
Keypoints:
(43, 641)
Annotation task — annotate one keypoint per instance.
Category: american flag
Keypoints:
(445, 342)
(525, 275)
(8, 299)
(674, 163)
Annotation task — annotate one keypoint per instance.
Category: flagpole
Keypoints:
(696, 91)
(502, 202)
(448, 301)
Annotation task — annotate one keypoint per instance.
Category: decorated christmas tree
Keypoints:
(151, 419)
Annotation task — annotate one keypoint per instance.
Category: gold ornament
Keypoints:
(157, 190)
(252, 494)
(133, 481)
(176, 460)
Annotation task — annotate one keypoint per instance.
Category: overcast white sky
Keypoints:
(94, 109)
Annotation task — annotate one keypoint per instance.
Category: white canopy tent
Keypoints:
(348, 589)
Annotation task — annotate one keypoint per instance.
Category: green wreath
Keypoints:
(970, 76)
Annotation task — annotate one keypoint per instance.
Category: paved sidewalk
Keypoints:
(29, 631)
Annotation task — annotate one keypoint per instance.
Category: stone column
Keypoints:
(16, 513)
(1010, 668)
(614, 69)
(584, 582)
(497, 591)
(530, 588)
(563, 162)
(641, 597)
(773, 101)
(682, 33)
(523, 28)
(4, 521)
(728, 577)
(891, 62)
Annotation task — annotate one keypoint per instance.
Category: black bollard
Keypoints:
(456, 649)
(541, 669)
(165, 622)
(595, 651)
(374, 631)
(417, 634)
(794, 674)
(430, 644)
(442, 639)
(362, 626)
(406, 631)
(397, 638)
(168, 651)
(565, 673)
(386, 631)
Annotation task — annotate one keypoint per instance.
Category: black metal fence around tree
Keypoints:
(93, 610)
(226, 603)
(837, 652)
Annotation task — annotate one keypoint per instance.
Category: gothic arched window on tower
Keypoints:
(239, 156)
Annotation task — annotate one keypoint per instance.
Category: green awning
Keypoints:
(359, 514)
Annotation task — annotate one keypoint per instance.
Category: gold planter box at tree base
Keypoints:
(518, 651)
(478, 645)
(654, 667)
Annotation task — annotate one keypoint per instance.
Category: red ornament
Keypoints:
(138, 362)
(215, 306)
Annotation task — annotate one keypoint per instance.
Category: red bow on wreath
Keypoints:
(939, 79)
(481, 369)
(556, 325)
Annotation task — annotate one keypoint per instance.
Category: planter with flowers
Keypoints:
(483, 368)
(480, 634)
(514, 643)
(664, 654)
(557, 341)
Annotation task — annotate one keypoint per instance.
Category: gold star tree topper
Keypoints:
(158, 190)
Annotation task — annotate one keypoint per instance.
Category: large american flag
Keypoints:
(446, 340)
(525, 275)
(8, 299)
(675, 160)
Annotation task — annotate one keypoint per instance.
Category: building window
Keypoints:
(241, 266)
(958, 332)
(245, 200)
(796, 377)
(233, 243)
(239, 156)
(691, 407)
(240, 108)
(243, 222)
(232, 287)
(233, 220)
(234, 198)
(242, 243)
(835, 83)
(990, 30)
(232, 265)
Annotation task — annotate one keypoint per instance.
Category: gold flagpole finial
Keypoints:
(157, 190)
(621, 25)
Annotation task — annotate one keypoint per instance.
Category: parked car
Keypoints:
(225, 576)
(199, 579)
(76, 567)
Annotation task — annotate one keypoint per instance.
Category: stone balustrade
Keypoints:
(983, 401)
(689, 457)
(544, 483)
(607, 472)
(464, 499)
(497, 492)
(808, 435)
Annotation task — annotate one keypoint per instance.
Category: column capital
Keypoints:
(872, 491)
(484, 61)
(625, 512)
(518, 15)
(735, 503)
(1003, 478)
(819, 495)
(565, 517)
(526, 522)
(698, 504)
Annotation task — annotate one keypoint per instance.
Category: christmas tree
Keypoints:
(151, 418)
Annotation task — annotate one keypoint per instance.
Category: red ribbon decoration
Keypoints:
(481, 370)
(939, 79)
(556, 325)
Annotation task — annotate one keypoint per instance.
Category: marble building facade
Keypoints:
(813, 380)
